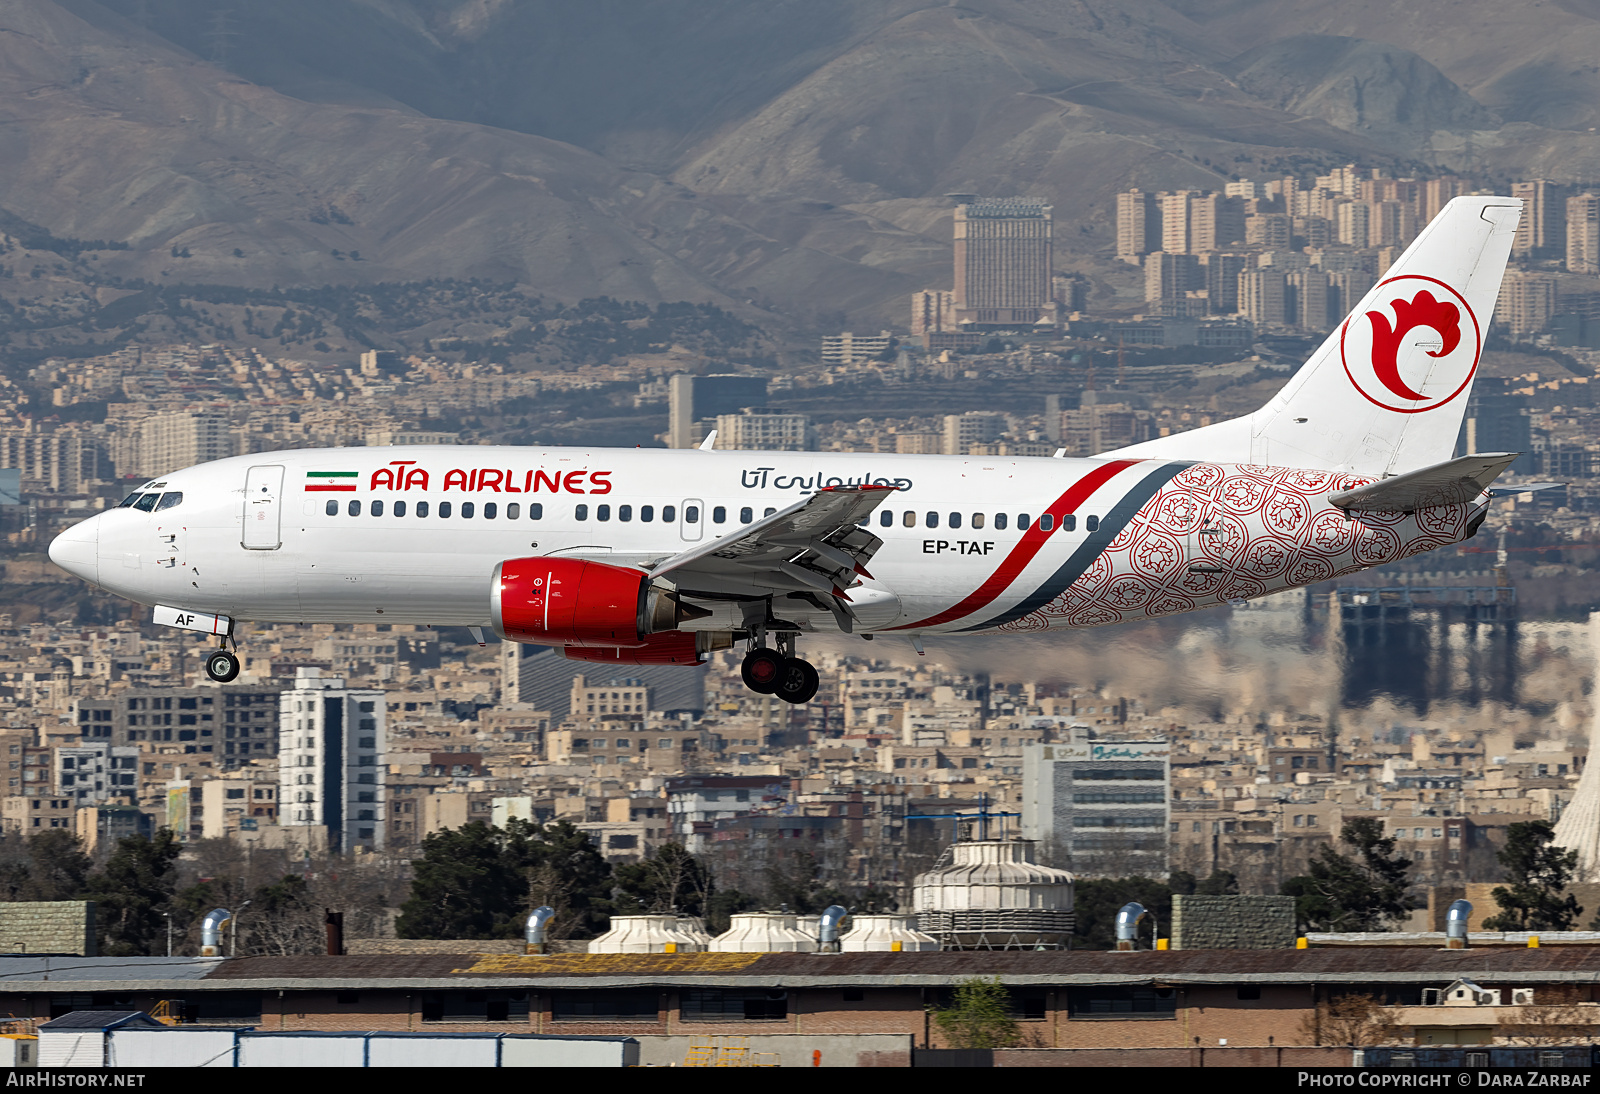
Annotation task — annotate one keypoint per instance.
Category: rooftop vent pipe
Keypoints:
(211, 931)
(828, 929)
(533, 936)
(1455, 925)
(1128, 925)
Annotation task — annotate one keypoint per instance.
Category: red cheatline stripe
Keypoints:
(1032, 542)
(312, 488)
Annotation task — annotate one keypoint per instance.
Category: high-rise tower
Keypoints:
(331, 765)
(1002, 253)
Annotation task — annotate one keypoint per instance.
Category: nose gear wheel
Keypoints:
(223, 666)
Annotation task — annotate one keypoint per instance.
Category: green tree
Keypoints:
(1097, 900)
(1365, 891)
(470, 883)
(480, 882)
(133, 895)
(1539, 872)
(979, 1016)
(48, 866)
(567, 873)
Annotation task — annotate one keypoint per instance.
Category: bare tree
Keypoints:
(1355, 1019)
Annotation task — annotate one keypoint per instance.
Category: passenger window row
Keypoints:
(646, 514)
(1002, 521)
(469, 509)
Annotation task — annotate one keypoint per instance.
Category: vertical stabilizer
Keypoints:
(1386, 392)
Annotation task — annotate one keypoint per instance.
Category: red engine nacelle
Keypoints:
(569, 602)
(671, 648)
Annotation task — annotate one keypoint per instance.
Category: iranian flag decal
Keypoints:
(332, 481)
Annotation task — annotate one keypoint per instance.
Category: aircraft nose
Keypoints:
(77, 550)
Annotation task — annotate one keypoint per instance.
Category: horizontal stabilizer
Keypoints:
(1522, 488)
(1454, 482)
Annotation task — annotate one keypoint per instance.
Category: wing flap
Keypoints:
(816, 544)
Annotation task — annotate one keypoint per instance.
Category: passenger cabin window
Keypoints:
(1069, 523)
(647, 513)
(513, 510)
(885, 518)
(399, 508)
(669, 513)
(719, 515)
(602, 512)
(977, 520)
(581, 512)
(422, 508)
(746, 515)
(536, 510)
(1092, 523)
(332, 508)
(1023, 520)
(490, 510)
(909, 520)
(933, 520)
(468, 509)
(1047, 522)
(955, 520)
(354, 508)
(377, 509)
(1000, 522)
(169, 499)
(624, 512)
(691, 514)
(769, 512)
(444, 509)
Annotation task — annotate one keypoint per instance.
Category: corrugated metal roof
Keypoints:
(102, 969)
(101, 1019)
(1339, 965)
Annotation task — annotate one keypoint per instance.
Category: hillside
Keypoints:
(784, 159)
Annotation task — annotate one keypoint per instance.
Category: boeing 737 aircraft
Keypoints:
(629, 556)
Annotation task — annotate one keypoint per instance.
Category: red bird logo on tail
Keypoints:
(1422, 310)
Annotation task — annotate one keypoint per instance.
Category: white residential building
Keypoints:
(331, 761)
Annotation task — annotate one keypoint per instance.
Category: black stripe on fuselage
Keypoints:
(1111, 526)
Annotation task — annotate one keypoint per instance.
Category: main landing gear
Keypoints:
(223, 665)
(778, 672)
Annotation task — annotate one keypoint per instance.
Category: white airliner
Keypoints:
(629, 556)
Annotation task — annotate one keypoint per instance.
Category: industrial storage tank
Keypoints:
(992, 895)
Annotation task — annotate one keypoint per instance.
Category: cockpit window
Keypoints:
(169, 499)
(128, 501)
(146, 503)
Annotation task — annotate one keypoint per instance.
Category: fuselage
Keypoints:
(980, 543)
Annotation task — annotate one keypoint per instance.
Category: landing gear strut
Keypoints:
(223, 665)
(779, 672)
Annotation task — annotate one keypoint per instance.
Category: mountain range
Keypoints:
(783, 158)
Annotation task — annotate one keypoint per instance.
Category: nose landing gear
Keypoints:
(223, 665)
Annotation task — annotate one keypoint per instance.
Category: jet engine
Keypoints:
(574, 602)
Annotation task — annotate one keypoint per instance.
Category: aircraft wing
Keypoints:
(1454, 482)
(818, 545)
